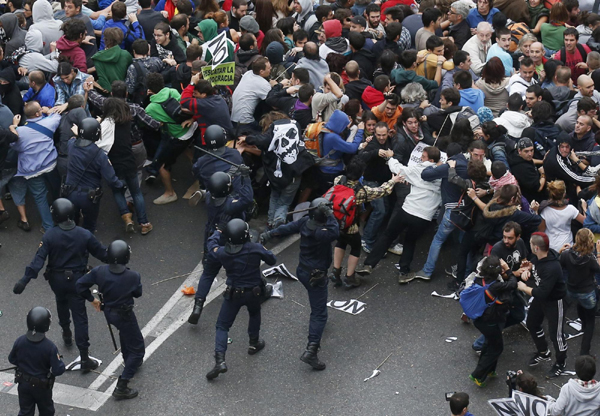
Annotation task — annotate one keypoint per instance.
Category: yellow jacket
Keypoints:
(431, 64)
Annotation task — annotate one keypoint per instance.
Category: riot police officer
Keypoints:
(86, 166)
(222, 205)
(119, 285)
(317, 231)
(245, 286)
(67, 248)
(38, 363)
(216, 140)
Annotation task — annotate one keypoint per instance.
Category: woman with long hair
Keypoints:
(550, 68)
(288, 26)
(581, 265)
(501, 283)
(557, 215)
(493, 83)
(552, 32)
(282, 8)
(116, 114)
(205, 7)
(273, 35)
(264, 14)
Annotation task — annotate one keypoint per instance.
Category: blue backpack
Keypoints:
(473, 300)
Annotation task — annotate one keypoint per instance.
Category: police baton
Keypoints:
(215, 156)
(308, 209)
(8, 368)
(112, 335)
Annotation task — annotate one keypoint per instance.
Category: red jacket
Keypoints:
(71, 50)
(372, 97)
(393, 3)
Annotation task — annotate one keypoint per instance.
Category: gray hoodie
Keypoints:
(574, 399)
(316, 70)
(43, 20)
(34, 60)
(307, 7)
(14, 34)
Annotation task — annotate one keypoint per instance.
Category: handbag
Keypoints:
(463, 215)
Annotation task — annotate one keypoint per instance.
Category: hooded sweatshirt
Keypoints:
(111, 65)
(14, 34)
(209, 29)
(335, 43)
(514, 121)
(497, 215)
(334, 142)
(73, 51)
(43, 20)
(577, 399)
(10, 94)
(317, 69)
(274, 53)
(472, 97)
(306, 18)
(527, 175)
(580, 269)
(372, 97)
(156, 111)
(495, 95)
(34, 60)
(403, 77)
(585, 144)
(548, 278)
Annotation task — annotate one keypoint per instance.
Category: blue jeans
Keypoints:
(444, 230)
(585, 300)
(37, 187)
(131, 179)
(586, 311)
(380, 207)
(280, 201)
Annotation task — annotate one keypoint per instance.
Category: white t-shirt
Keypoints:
(558, 225)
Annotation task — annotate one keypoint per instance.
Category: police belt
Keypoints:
(42, 383)
(122, 309)
(68, 273)
(237, 292)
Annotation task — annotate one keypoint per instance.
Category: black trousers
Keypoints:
(553, 310)
(30, 396)
(400, 220)
(588, 323)
(492, 349)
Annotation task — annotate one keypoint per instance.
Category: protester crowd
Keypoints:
(476, 119)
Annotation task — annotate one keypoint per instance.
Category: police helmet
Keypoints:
(317, 214)
(237, 231)
(38, 323)
(89, 129)
(118, 256)
(62, 210)
(215, 137)
(219, 185)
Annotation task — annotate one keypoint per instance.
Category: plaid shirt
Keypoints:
(405, 40)
(366, 194)
(65, 91)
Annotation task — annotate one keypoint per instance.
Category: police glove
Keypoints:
(265, 237)
(326, 208)
(19, 288)
(244, 170)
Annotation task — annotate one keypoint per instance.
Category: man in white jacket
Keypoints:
(514, 121)
(478, 47)
(415, 214)
(581, 395)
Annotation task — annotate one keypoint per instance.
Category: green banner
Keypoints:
(223, 74)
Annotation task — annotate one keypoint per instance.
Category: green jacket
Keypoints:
(111, 65)
(402, 77)
(156, 111)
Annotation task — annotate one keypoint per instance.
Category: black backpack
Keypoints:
(580, 48)
(173, 109)
(140, 91)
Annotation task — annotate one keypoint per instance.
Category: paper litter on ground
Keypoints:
(451, 296)
(279, 269)
(76, 364)
(277, 289)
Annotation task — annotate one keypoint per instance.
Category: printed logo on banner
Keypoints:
(352, 306)
(505, 407)
(521, 404)
(415, 155)
(218, 49)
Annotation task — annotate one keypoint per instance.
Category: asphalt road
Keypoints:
(404, 321)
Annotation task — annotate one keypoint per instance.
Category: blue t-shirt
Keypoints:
(504, 56)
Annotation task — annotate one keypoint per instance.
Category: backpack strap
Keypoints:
(139, 73)
(582, 52)
(40, 129)
(563, 55)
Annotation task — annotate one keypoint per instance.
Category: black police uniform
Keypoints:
(244, 285)
(118, 290)
(38, 363)
(87, 165)
(67, 252)
(315, 255)
(206, 165)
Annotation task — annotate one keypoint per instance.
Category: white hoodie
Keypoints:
(514, 121)
(574, 399)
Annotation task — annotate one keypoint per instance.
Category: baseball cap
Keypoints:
(524, 143)
(359, 20)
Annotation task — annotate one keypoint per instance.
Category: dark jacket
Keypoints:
(366, 61)
(441, 119)
(405, 144)
(547, 278)
(386, 44)
(581, 270)
(148, 19)
(6, 138)
(182, 77)
(354, 89)
(585, 144)
(172, 47)
(10, 94)
(451, 193)
(461, 33)
(558, 167)
(280, 100)
(207, 111)
(503, 293)
(497, 215)
(527, 175)
(377, 169)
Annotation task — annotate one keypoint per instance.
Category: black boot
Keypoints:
(67, 336)
(122, 391)
(255, 345)
(195, 316)
(334, 276)
(87, 364)
(310, 356)
(220, 366)
(352, 281)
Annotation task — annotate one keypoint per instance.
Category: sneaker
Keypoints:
(165, 199)
(451, 271)
(146, 228)
(422, 275)
(539, 357)
(196, 198)
(404, 278)
(492, 374)
(396, 249)
(476, 349)
(4, 216)
(465, 318)
(478, 382)
(24, 225)
(365, 247)
(397, 266)
(556, 370)
(364, 270)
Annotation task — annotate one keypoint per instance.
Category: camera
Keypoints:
(511, 381)
(449, 395)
